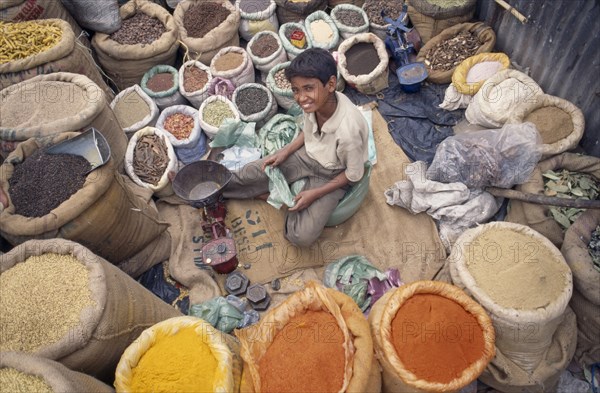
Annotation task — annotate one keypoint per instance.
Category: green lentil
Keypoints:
(216, 112)
(12, 380)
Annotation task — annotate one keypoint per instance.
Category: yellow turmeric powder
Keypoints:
(180, 363)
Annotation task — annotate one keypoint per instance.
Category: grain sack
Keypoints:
(103, 208)
(431, 17)
(297, 10)
(285, 30)
(521, 279)
(500, 96)
(266, 51)
(559, 122)
(326, 345)
(256, 16)
(125, 64)
(64, 53)
(213, 111)
(347, 25)
(392, 9)
(321, 30)
(103, 17)
(88, 312)
(134, 110)
(181, 124)
(334, 3)
(538, 217)
(461, 344)
(161, 83)
(255, 103)
(233, 63)
(374, 81)
(148, 164)
(588, 329)
(484, 40)
(280, 86)
(471, 73)
(203, 45)
(194, 79)
(20, 370)
(49, 104)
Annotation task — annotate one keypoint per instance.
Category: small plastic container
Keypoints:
(411, 76)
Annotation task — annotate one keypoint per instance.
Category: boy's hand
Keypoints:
(304, 199)
(275, 159)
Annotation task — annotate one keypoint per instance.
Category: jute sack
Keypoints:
(523, 335)
(264, 64)
(430, 19)
(588, 329)
(205, 48)
(224, 348)
(485, 35)
(58, 377)
(297, 11)
(104, 208)
(377, 80)
(244, 73)
(68, 55)
(349, 31)
(361, 371)
(536, 216)
(194, 97)
(121, 310)
(252, 23)
(396, 376)
(22, 112)
(149, 120)
(578, 121)
(459, 76)
(125, 65)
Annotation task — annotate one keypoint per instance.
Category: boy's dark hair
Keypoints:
(312, 63)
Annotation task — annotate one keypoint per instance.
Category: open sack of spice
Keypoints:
(266, 51)
(213, 111)
(363, 63)
(134, 110)
(349, 20)
(256, 16)
(194, 80)
(233, 63)
(321, 30)
(161, 83)
(181, 124)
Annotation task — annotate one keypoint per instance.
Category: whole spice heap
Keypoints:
(131, 109)
(251, 100)
(281, 81)
(264, 46)
(436, 357)
(194, 79)
(139, 29)
(552, 123)
(313, 361)
(594, 248)
(373, 8)
(570, 185)
(23, 39)
(362, 58)
(216, 112)
(447, 54)
(150, 158)
(162, 81)
(42, 182)
(179, 125)
(252, 6)
(350, 18)
(13, 380)
(179, 362)
(229, 61)
(202, 17)
(41, 300)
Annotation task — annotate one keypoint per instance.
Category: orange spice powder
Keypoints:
(436, 338)
(306, 356)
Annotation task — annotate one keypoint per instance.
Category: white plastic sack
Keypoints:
(149, 120)
(453, 99)
(322, 16)
(269, 110)
(194, 97)
(193, 147)
(252, 23)
(164, 99)
(240, 75)
(236, 157)
(265, 64)
(210, 129)
(285, 98)
(349, 31)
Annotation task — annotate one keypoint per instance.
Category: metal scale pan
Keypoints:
(201, 183)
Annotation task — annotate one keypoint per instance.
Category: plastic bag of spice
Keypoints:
(431, 17)
(321, 30)
(350, 20)
(103, 17)
(194, 80)
(140, 48)
(255, 103)
(280, 86)
(134, 109)
(256, 16)
(294, 46)
(87, 312)
(363, 63)
(181, 124)
(296, 11)
(328, 330)
(203, 40)
(213, 111)
(161, 83)
(234, 64)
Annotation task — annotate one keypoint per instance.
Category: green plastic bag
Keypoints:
(235, 133)
(219, 313)
(278, 132)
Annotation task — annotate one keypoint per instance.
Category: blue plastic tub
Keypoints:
(411, 76)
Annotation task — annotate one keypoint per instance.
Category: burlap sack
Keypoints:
(588, 329)
(377, 80)
(567, 143)
(396, 377)
(122, 309)
(205, 48)
(242, 74)
(58, 377)
(125, 65)
(31, 96)
(536, 216)
(359, 360)
(104, 209)
(166, 98)
(485, 35)
(296, 11)
(430, 19)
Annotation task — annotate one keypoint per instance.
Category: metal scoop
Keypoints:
(90, 145)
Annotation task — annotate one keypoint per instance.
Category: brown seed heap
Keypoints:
(350, 18)
(252, 6)
(447, 54)
(139, 29)
(229, 61)
(13, 380)
(194, 79)
(264, 46)
(162, 81)
(281, 81)
(392, 9)
(150, 158)
(201, 18)
(41, 300)
(179, 125)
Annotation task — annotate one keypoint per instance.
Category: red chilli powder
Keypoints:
(436, 338)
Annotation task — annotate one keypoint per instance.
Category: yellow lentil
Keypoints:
(12, 380)
(20, 40)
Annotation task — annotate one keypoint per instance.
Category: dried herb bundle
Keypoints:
(150, 158)
(449, 53)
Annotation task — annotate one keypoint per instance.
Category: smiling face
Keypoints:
(311, 94)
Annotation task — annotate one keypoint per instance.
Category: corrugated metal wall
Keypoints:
(560, 46)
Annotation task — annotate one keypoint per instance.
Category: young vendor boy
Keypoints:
(330, 151)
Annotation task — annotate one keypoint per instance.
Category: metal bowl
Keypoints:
(201, 183)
